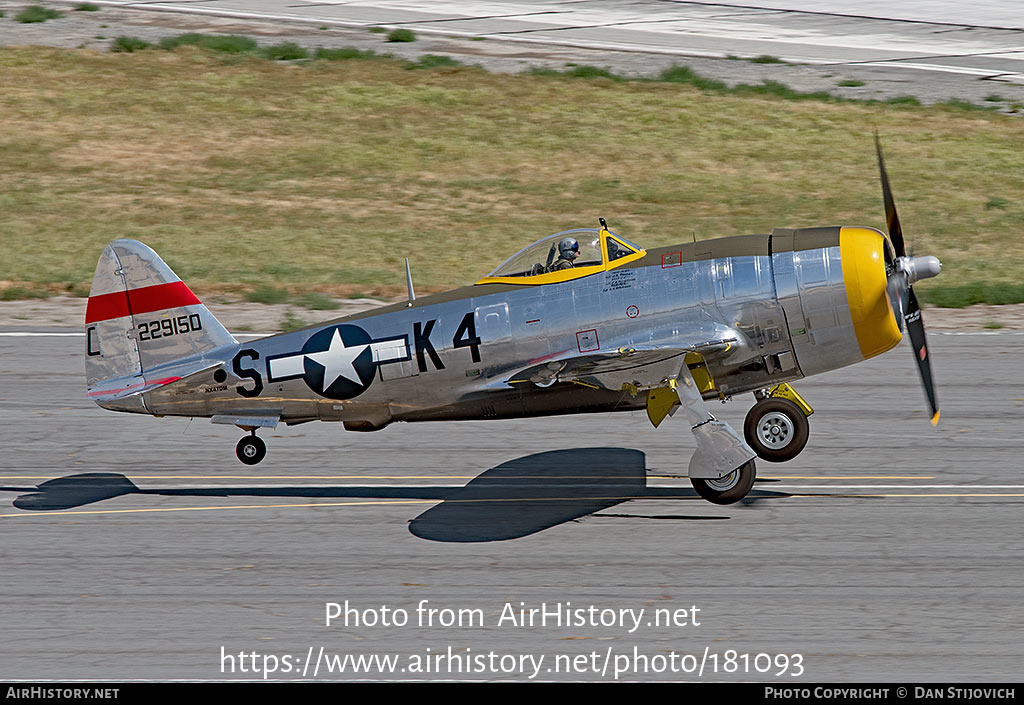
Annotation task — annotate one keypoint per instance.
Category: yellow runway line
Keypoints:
(848, 477)
(253, 477)
(27, 513)
(849, 496)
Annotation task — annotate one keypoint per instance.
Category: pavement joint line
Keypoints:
(468, 18)
(621, 499)
(926, 57)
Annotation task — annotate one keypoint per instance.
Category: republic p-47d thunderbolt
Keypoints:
(580, 321)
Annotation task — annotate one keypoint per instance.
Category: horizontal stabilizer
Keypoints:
(248, 421)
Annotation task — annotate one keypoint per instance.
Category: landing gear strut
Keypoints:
(776, 429)
(251, 449)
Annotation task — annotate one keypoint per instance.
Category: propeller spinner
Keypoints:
(901, 276)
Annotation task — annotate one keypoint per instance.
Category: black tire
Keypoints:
(251, 450)
(776, 429)
(729, 489)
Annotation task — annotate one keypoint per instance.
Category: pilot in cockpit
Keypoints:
(568, 251)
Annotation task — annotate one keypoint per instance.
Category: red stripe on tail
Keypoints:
(145, 299)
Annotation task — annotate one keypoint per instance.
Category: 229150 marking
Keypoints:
(166, 327)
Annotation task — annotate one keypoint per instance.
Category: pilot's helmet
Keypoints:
(568, 248)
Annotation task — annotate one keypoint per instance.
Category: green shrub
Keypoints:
(129, 44)
(15, 293)
(851, 83)
(684, 74)
(37, 13)
(229, 44)
(87, 7)
(401, 35)
(288, 51)
(433, 61)
(347, 54)
(575, 71)
(781, 90)
(904, 100)
(267, 295)
(960, 104)
(591, 72)
(317, 302)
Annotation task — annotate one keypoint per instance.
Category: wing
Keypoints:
(632, 368)
(664, 375)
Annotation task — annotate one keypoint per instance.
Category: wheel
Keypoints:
(251, 450)
(731, 488)
(776, 429)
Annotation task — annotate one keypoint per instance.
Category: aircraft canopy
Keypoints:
(553, 259)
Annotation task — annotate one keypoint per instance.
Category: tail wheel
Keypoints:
(776, 429)
(251, 450)
(731, 488)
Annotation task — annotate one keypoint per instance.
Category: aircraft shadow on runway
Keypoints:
(509, 501)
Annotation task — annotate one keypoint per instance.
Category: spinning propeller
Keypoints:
(900, 278)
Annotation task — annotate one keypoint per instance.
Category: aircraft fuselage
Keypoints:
(781, 299)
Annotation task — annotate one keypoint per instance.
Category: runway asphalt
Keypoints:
(888, 551)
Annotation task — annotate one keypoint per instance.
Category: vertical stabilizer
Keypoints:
(141, 316)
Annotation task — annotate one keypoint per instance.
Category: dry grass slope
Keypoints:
(244, 172)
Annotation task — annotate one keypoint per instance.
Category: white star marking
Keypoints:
(337, 361)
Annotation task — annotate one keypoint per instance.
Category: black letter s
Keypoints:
(236, 365)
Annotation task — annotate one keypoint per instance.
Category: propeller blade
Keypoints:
(915, 327)
(892, 220)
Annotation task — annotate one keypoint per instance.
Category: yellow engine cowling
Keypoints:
(864, 254)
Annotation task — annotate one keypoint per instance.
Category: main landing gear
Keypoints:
(776, 427)
(729, 489)
(251, 449)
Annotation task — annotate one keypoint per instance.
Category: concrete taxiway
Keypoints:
(889, 550)
(980, 39)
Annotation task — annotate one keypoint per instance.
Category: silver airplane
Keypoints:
(580, 321)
